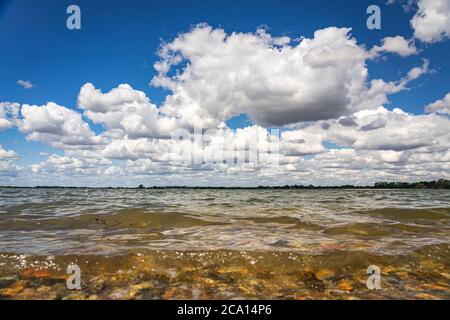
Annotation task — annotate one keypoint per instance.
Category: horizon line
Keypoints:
(432, 184)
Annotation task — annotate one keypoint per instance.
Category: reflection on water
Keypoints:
(301, 243)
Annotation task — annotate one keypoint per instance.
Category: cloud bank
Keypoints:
(334, 127)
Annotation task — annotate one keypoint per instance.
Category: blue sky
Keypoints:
(118, 42)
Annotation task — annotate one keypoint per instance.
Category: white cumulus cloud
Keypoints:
(440, 106)
(56, 125)
(397, 44)
(219, 75)
(125, 110)
(431, 23)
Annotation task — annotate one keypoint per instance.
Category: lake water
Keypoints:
(183, 243)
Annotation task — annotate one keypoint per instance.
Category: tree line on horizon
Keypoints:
(434, 184)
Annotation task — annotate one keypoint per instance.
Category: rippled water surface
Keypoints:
(249, 243)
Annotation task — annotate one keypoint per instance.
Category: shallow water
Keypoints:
(180, 243)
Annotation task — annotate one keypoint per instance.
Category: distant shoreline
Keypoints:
(434, 184)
